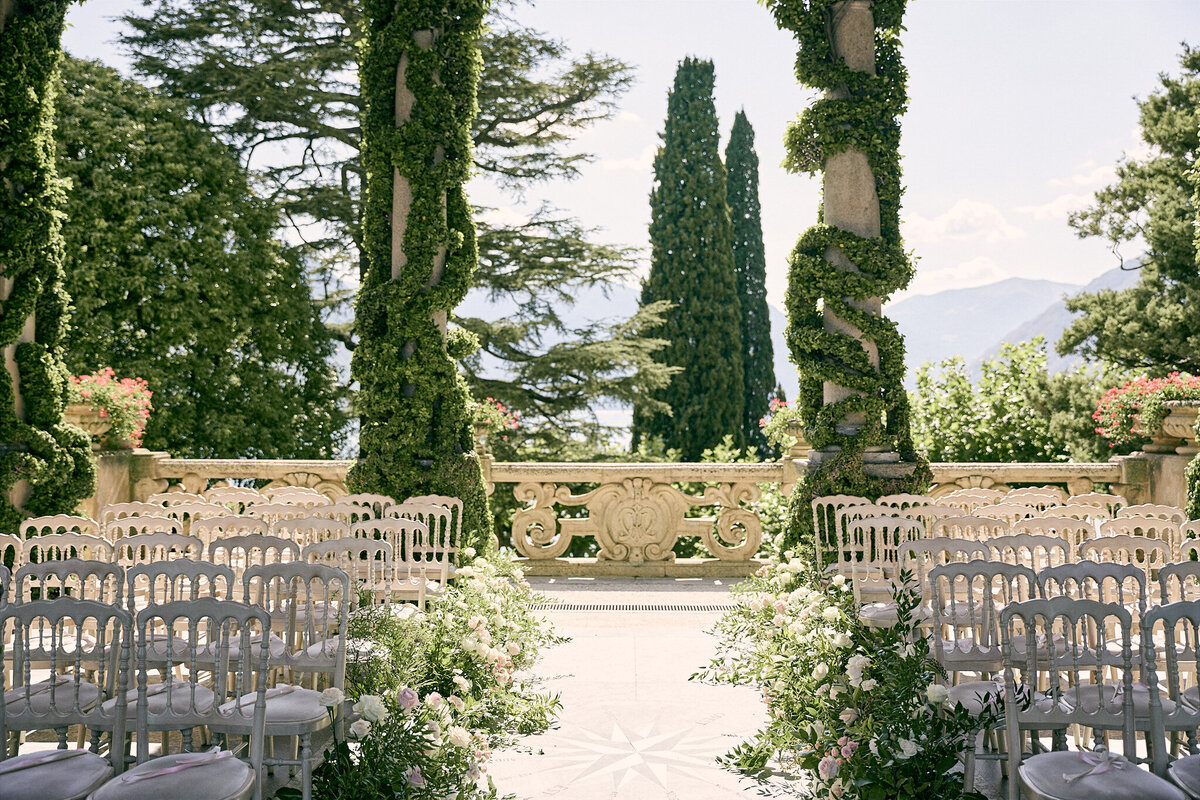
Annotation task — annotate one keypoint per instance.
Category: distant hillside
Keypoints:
(1054, 320)
(965, 322)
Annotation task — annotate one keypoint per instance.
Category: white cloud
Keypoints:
(641, 163)
(628, 116)
(503, 217)
(1058, 208)
(977, 271)
(966, 220)
(1088, 174)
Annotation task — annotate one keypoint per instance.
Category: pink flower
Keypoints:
(407, 698)
(828, 768)
(415, 778)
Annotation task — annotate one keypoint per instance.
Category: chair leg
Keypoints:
(305, 767)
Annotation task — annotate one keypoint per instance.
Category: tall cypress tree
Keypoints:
(750, 268)
(691, 239)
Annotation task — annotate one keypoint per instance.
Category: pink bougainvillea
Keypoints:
(1129, 413)
(125, 401)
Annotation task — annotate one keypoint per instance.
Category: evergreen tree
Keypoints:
(750, 267)
(177, 278)
(691, 267)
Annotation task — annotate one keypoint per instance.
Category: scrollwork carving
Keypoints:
(535, 530)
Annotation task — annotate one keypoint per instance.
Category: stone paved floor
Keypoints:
(632, 726)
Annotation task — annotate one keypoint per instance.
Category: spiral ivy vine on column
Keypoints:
(416, 428)
(55, 458)
(859, 112)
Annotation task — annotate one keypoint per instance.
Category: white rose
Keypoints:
(371, 708)
(869, 684)
(462, 683)
(855, 667)
(360, 729)
(468, 552)
(459, 736)
(842, 640)
(820, 671)
(469, 642)
(332, 697)
(831, 614)
(457, 702)
(434, 700)
(936, 693)
(513, 648)
(908, 748)
(839, 580)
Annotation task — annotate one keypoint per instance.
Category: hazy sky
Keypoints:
(1018, 110)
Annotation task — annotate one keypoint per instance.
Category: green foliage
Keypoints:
(859, 710)
(416, 424)
(860, 111)
(178, 279)
(55, 458)
(1018, 411)
(124, 403)
(1149, 327)
(750, 268)
(691, 267)
(265, 74)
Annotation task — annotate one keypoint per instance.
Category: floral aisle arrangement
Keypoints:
(433, 692)
(861, 711)
(125, 402)
(1129, 413)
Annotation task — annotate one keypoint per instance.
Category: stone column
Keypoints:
(19, 492)
(850, 198)
(402, 192)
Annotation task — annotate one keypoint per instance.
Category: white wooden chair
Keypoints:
(12, 550)
(903, 500)
(455, 505)
(239, 553)
(273, 513)
(145, 548)
(929, 514)
(1039, 502)
(827, 528)
(1109, 504)
(304, 499)
(1008, 512)
(970, 528)
(378, 578)
(189, 514)
(1062, 638)
(439, 546)
(169, 499)
(970, 499)
(236, 498)
(307, 530)
(871, 557)
(134, 526)
(378, 503)
(1149, 527)
(236, 698)
(57, 546)
(348, 513)
(1056, 493)
(1036, 551)
(59, 523)
(1180, 581)
(83, 579)
(208, 529)
(116, 511)
(1178, 626)
(400, 532)
(1172, 513)
(1071, 530)
(1148, 555)
(843, 541)
(272, 492)
(1079, 511)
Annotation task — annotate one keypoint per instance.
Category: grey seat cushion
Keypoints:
(297, 707)
(1043, 774)
(1089, 698)
(1185, 772)
(62, 693)
(68, 779)
(157, 697)
(227, 779)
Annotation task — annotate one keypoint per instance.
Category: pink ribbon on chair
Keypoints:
(1099, 761)
(7, 767)
(198, 761)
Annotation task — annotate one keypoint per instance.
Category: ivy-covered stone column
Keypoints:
(46, 466)
(851, 358)
(419, 69)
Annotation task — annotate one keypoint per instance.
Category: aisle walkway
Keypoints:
(632, 726)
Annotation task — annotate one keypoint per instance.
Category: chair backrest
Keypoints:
(12, 549)
(441, 543)
(1149, 555)
(169, 499)
(235, 498)
(455, 505)
(1056, 492)
(1149, 527)
(843, 543)
(1172, 513)
(134, 526)
(970, 527)
(59, 523)
(83, 636)
(227, 638)
(368, 562)
(275, 491)
(115, 511)
(970, 499)
(1072, 530)
(1123, 584)
(827, 523)
(920, 556)
(304, 499)
(211, 528)
(348, 513)
(274, 512)
(1109, 504)
(1038, 502)
(929, 514)
(101, 581)
(1176, 627)
(963, 600)
(401, 533)
(1009, 512)
(903, 500)
(316, 638)
(1035, 551)
(871, 554)
(253, 549)
(57, 546)
(1064, 645)
(5, 585)
(145, 548)
(182, 579)
(306, 530)
(1180, 581)
(191, 512)
(378, 503)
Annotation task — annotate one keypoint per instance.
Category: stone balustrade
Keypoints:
(634, 511)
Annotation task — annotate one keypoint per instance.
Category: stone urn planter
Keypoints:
(82, 415)
(800, 448)
(1179, 427)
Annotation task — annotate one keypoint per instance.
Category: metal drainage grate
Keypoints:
(707, 607)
